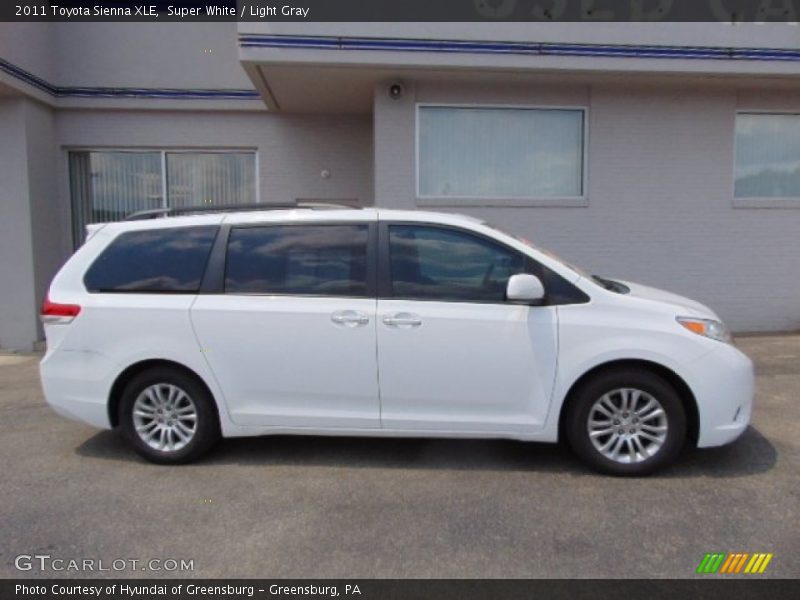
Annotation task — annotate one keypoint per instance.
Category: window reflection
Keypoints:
(328, 260)
(441, 264)
(767, 155)
(157, 260)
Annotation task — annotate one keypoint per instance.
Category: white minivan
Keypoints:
(369, 322)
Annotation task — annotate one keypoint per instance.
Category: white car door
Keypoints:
(454, 356)
(291, 338)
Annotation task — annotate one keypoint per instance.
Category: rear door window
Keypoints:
(169, 260)
(298, 260)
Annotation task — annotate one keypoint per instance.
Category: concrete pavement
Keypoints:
(342, 507)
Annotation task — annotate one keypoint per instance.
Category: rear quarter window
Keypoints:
(153, 261)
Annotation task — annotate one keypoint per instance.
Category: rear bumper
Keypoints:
(76, 385)
(723, 385)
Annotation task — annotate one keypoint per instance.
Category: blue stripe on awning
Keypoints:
(521, 48)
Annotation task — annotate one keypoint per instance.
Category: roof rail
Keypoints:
(213, 208)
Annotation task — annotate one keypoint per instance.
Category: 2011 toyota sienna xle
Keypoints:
(181, 329)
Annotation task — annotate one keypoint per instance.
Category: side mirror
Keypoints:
(524, 287)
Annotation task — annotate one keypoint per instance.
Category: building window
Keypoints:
(108, 186)
(488, 152)
(767, 156)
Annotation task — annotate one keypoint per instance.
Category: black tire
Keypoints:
(206, 431)
(583, 400)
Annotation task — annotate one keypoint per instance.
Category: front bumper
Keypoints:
(723, 386)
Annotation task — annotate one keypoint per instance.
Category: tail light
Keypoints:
(54, 313)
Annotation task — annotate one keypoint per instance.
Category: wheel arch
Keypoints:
(676, 381)
(134, 369)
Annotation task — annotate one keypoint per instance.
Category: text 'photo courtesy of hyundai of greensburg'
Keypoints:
(179, 330)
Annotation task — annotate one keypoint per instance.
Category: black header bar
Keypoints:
(587, 11)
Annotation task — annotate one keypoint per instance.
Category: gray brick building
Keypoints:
(667, 154)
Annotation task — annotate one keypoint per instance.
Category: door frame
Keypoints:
(396, 425)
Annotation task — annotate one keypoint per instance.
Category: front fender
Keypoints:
(588, 340)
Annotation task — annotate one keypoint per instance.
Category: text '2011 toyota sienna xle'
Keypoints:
(373, 322)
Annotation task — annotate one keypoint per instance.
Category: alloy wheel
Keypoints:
(627, 425)
(165, 417)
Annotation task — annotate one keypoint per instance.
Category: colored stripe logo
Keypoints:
(734, 562)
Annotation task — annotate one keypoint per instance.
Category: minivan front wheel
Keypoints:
(168, 416)
(626, 422)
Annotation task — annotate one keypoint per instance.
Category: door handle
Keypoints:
(349, 318)
(402, 320)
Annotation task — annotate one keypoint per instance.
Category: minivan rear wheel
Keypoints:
(626, 422)
(168, 416)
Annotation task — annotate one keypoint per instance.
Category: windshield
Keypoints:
(547, 253)
(608, 284)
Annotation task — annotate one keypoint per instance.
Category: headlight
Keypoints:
(709, 328)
